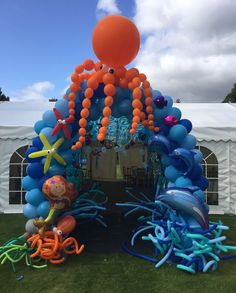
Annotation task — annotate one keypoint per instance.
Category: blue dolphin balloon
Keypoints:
(160, 143)
(186, 156)
(186, 204)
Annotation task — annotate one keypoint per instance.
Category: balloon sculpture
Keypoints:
(115, 106)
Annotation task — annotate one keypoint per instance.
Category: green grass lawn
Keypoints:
(112, 272)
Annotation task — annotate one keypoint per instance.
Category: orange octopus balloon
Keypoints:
(116, 42)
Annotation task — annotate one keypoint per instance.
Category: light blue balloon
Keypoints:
(183, 182)
(175, 112)
(171, 173)
(198, 156)
(43, 209)
(56, 170)
(29, 183)
(47, 132)
(62, 106)
(49, 118)
(200, 194)
(30, 211)
(156, 93)
(169, 101)
(34, 197)
(39, 125)
(165, 160)
(189, 142)
(170, 184)
(178, 133)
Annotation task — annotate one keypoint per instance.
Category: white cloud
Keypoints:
(36, 91)
(189, 47)
(106, 7)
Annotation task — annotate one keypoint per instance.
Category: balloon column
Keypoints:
(116, 107)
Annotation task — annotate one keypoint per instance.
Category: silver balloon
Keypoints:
(30, 228)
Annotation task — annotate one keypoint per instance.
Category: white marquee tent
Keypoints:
(214, 126)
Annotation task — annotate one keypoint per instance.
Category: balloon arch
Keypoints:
(103, 95)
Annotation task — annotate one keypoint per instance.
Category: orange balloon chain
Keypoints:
(51, 245)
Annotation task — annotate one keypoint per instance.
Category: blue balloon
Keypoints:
(34, 197)
(41, 181)
(29, 183)
(62, 106)
(186, 123)
(37, 143)
(49, 118)
(114, 111)
(100, 105)
(39, 125)
(175, 112)
(198, 156)
(178, 133)
(196, 172)
(94, 114)
(43, 209)
(164, 129)
(35, 170)
(30, 151)
(156, 93)
(30, 211)
(200, 194)
(183, 182)
(189, 142)
(202, 183)
(166, 160)
(125, 107)
(47, 132)
(99, 92)
(56, 170)
(159, 114)
(169, 101)
(172, 174)
(119, 95)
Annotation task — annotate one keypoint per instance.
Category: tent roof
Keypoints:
(211, 121)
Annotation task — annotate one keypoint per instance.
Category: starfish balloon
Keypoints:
(61, 124)
(49, 152)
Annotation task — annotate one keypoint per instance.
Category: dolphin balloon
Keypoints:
(186, 156)
(160, 143)
(186, 204)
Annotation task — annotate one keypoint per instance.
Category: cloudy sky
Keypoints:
(188, 47)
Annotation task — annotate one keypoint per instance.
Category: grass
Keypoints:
(112, 272)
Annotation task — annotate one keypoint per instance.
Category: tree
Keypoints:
(3, 98)
(231, 97)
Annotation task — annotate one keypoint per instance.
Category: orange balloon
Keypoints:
(134, 125)
(137, 93)
(147, 92)
(78, 145)
(79, 69)
(88, 93)
(86, 103)
(136, 112)
(131, 86)
(131, 73)
(148, 101)
(92, 83)
(145, 123)
(71, 104)
(142, 76)
(123, 83)
(88, 64)
(149, 109)
(105, 121)
(151, 117)
(136, 119)
(132, 131)
(82, 139)
(108, 78)
(120, 72)
(82, 131)
(98, 65)
(72, 96)
(75, 78)
(109, 89)
(108, 101)
(156, 129)
(74, 87)
(84, 113)
(72, 111)
(106, 111)
(101, 137)
(73, 147)
(103, 130)
(137, 104)
(136, 81)
(83, 122)
(145, 84)
(142, 116)
(115, 40)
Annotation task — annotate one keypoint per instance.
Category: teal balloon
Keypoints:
(49, 118)
(183, 182)
(178, 133)
(175, 112)
(160, 114)
(29, 183)
(56, 170)
(189, 142)
(169, 101)
(171, 173)
(34, 197)
(30, 211)
(43, 209)
(47, 132)
(62, 106)
(39, 125)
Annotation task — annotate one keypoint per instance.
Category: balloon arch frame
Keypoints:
(103, 95)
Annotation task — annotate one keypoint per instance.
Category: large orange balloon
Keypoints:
(115, 41)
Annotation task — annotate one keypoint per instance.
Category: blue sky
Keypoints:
(187, 51)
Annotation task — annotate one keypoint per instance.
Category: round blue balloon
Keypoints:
(196, 172)
(37, 143)
(47, 132)
(169, 101)
(41, 181)
(94, 114)
(39, 125)
(29, 183)
(125, 107)
(178, 133)
(202, 183)
(119, 95)
(34, 197)
(160, 114)
(62, 106)
(166, 160)
(43, 209)
(164, 129)
(189, 142)
(99, 92)
(100, 105)
(183, 182)
(30, 151)
(49, 118)
(198, 156)
(200, 195)
(56, 170)
(175, 112)
(30, 211)
(35, 170)
(171, 173)
(186, 123)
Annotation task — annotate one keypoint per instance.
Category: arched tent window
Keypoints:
(210, 171)
(17, 171)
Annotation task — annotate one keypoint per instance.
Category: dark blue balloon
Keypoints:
(179, 164)
(99, 92)
(41, 182)
(186, 123)
(125, 107)
(196, 172)
(202, 183)
(30, 151)
(164, 129)
(37, 143)
(35, 170)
